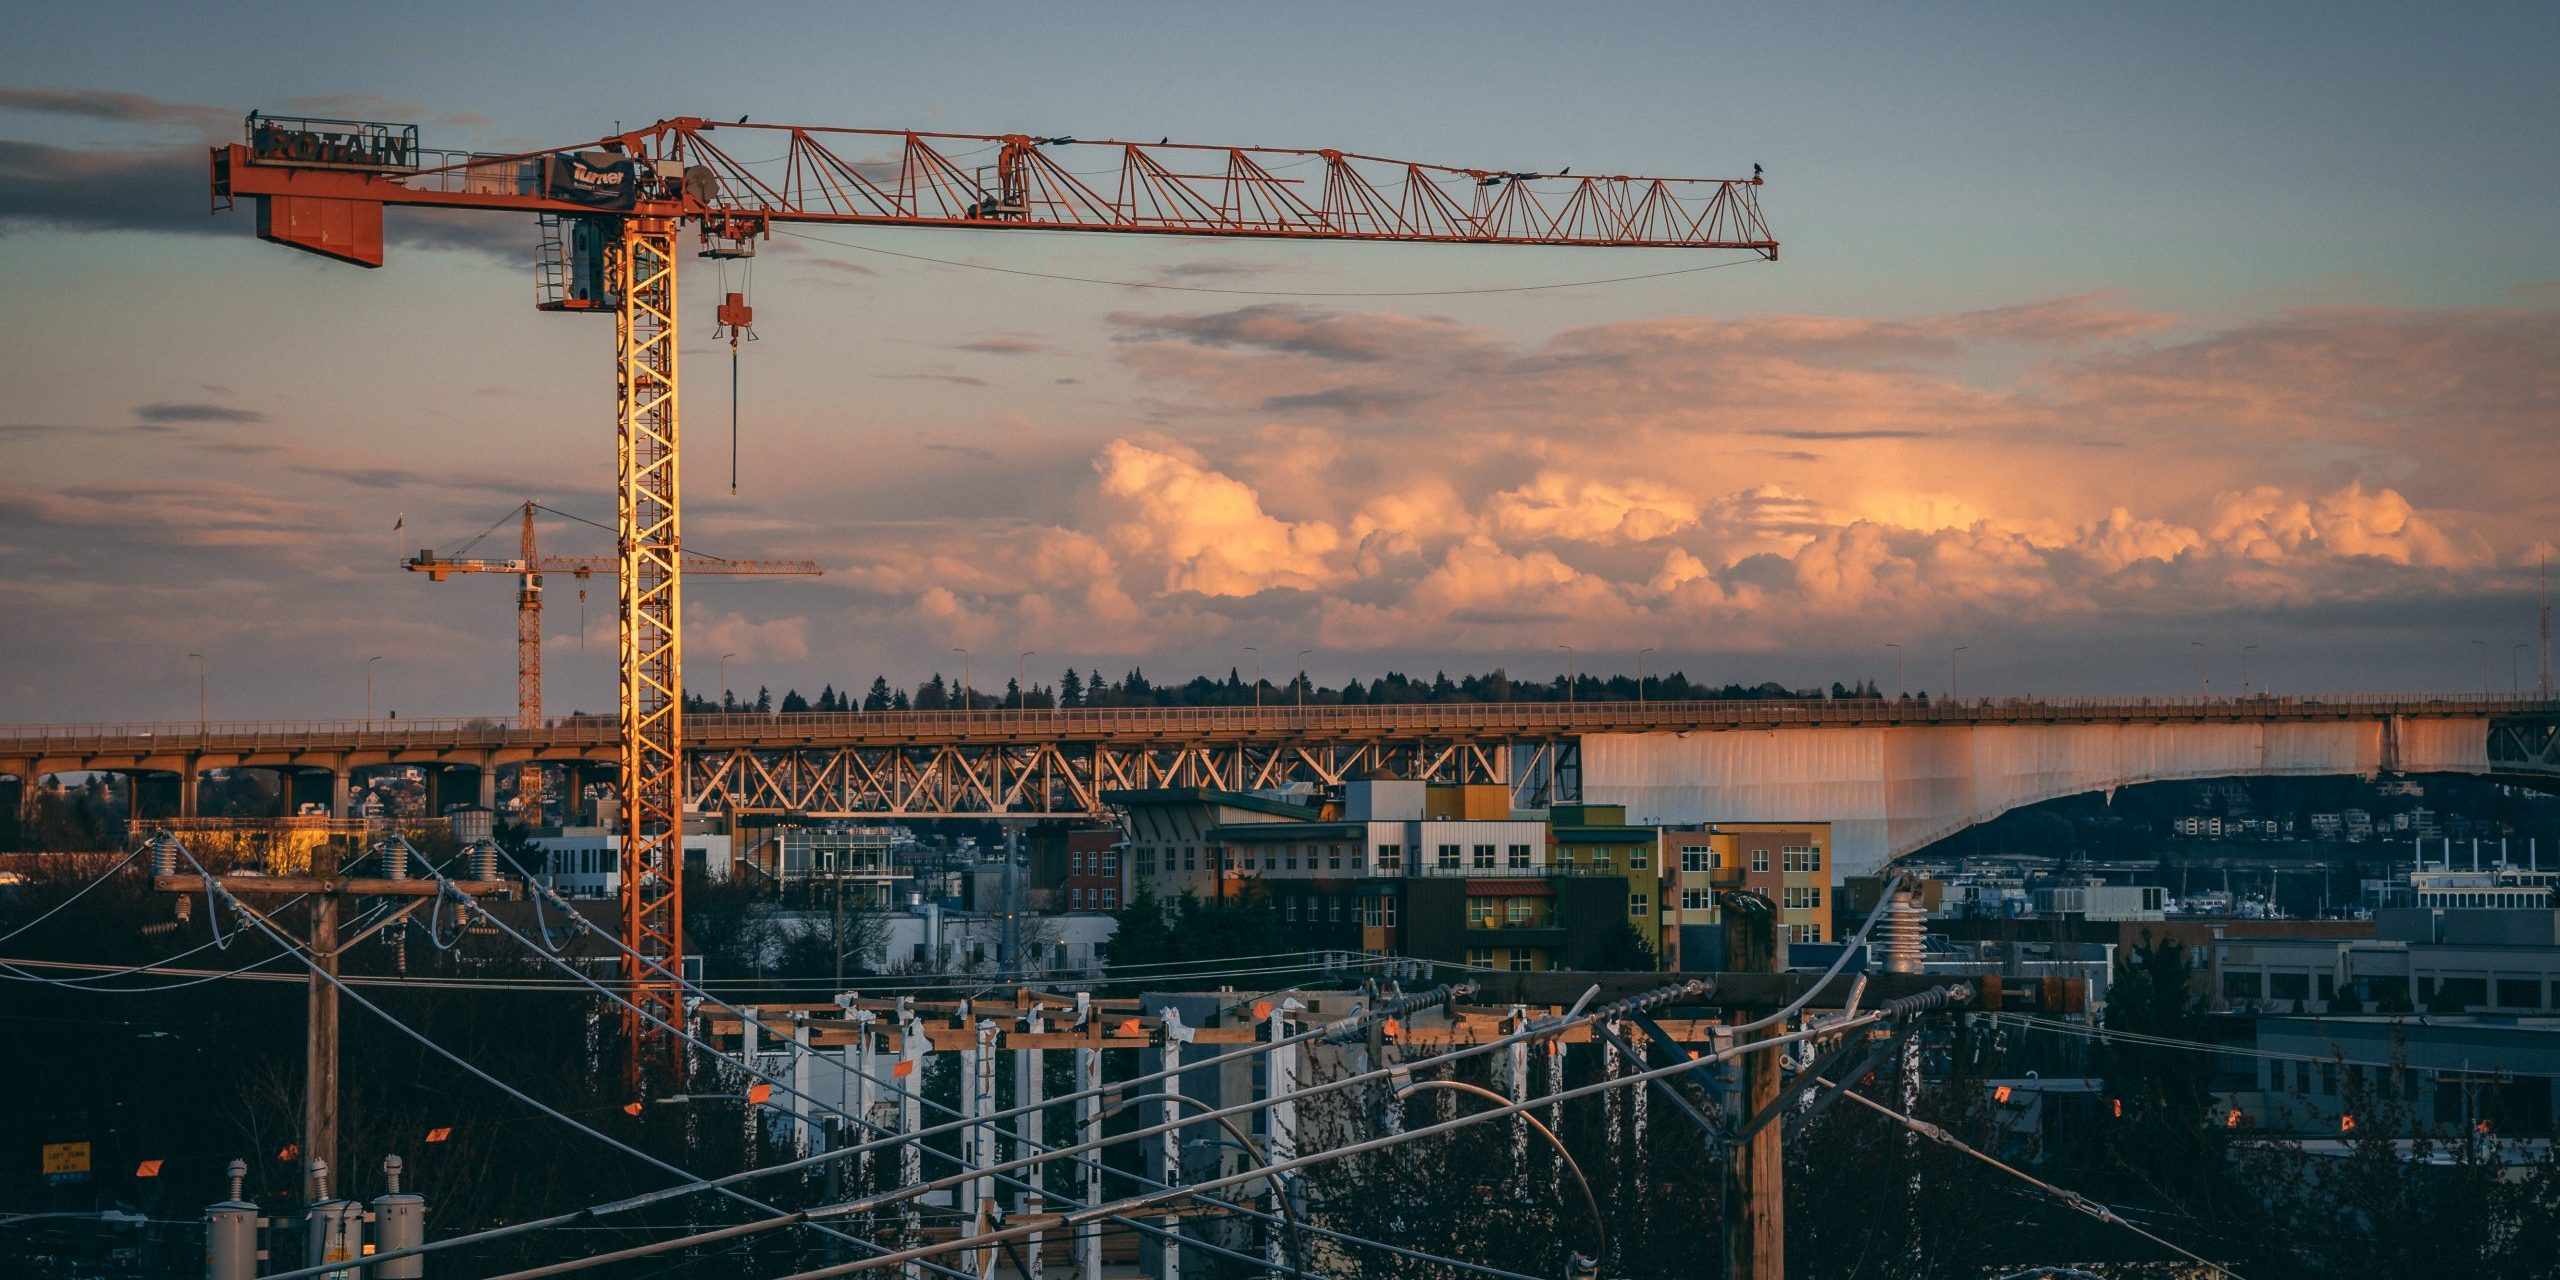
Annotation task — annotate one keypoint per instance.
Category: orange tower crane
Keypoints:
(529, 566)
(611, 210)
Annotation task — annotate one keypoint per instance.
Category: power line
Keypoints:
(510, 1090)
(2068, 1197)
(1267, 293)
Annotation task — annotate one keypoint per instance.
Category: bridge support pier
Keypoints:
(342, 793)
(189, 779)
(489, 786)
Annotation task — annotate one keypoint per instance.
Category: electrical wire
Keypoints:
(2091, 1032)
(1269, 293)
(519, 1095)
(2070, 1198)
(102, 878)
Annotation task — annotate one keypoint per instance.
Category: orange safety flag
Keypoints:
(631, 1108)
(440, 1133)
(2346, 1124)
(1131, 1028)
(906, 1067)
(291, 1149)
(757, 1094)
(1261, 1010)
(147, 1169)
(2231, 1119)
(1394, 1029)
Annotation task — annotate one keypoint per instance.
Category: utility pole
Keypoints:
(329, 889)
(1755, 1191)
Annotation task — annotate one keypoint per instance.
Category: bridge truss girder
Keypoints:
(1070, 779)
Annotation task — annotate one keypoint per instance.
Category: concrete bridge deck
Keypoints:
(1890, 774)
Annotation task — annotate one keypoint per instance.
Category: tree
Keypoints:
(878, 698)
(932, 695)
(1071, 689)
(793, 704)
(1625, 951)
(764, 701)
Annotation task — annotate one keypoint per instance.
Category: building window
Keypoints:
(1146, 862)
(1759, 859)
(1520, 959)
(1520, 912)
(1480, 957)
(1289, 910)
(1333, 910)
(1448, 857)
(1270, 860)
(1693, 899)
(1291, 861)
(1480, 913)
(1075, 862)
(1110, 899)
(1518, 857)
(1484, 857)
(1639, 904)
(1190, 857)
(1697, 858)
(1639, 858)
(1110, 862)
(1333, 857)
(1390, 857)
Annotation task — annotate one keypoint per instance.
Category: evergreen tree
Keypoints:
(764, 701)
(898, 701)
(1071, 689)
(827, 699)
(878, 698)
(932, 695)
(793, 704)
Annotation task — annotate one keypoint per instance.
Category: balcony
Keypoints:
(1468, 871)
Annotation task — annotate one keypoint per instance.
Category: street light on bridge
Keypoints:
(1300, 680)
(1898, 686)
(725, 699)
(2204, 666)
(964, 679)
(1573, 672)
(1022, 679)
(200, 720)
(1953, 671)
(2515, 667)
(2244, 669)
(368, 688)
(1256, 651)
(1640, 653)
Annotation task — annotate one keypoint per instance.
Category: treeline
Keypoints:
(1093, 689)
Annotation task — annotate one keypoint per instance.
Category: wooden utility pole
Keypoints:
(320, 1028)
(1755, 1192)
(329, 891)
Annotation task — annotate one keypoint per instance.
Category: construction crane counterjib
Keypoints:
(691, 169)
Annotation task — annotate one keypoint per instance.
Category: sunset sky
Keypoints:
(2097, 333)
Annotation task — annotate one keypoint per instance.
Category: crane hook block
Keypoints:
(734, 313)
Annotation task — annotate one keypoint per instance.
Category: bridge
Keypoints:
(1890, 775)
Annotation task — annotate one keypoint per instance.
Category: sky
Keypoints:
(2117, 345)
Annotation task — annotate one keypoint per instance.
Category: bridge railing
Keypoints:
(735, 728)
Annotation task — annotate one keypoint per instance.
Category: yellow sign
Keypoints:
(66, 1157)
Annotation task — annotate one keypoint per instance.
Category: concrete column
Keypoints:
(908, 1080)
(1515, 1079)
(1033, 1265)
(859, 1089)
(1028, 1085)
(187, 775)
(342, 792)
(1170, 1246)
(1088, 1126)
(1280, 1083)
(802, 1139)
(488, 785)
(973, 1061)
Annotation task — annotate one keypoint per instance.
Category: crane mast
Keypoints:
(322, 185)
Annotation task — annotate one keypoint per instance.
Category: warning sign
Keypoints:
(66, 1161)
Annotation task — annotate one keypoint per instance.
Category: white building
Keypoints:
(586, 862)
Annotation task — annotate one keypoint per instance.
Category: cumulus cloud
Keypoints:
(1208, 529)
